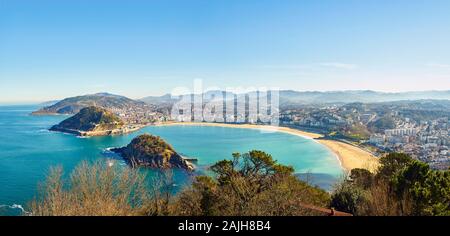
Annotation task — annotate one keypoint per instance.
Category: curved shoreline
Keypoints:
(349, 157)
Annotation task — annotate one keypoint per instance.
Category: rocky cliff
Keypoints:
(152, 151)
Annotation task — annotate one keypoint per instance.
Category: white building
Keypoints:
(401, 132)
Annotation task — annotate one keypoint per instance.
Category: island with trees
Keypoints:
(152, 151)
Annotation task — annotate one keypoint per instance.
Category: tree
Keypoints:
(249, 184)
(93, 189)
(347, 197)
(429, 189)
(402, 186)
(392, 164)
(361, 177)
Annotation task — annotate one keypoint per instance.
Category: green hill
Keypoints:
(90, 119)
(152, 151)
(108, 101)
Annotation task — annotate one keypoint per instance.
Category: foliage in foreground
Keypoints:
(250, 184)
(95, 189)
(402, 186)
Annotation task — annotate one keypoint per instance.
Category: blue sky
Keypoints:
(54, 49)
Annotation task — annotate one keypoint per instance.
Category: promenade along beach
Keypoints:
(350, 157)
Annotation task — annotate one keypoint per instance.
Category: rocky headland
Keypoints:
(93, 121)
(152, 151)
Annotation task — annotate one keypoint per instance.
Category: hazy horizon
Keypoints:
(36, 102)
(52, 49)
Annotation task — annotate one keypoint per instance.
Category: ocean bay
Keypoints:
(28, 150)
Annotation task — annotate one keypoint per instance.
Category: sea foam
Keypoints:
(16, 206)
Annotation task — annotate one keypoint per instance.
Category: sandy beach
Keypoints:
(350, 157)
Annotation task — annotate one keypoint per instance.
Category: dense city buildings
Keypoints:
(418, 128)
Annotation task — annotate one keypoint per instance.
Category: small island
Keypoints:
(152, 151)
(93, 121)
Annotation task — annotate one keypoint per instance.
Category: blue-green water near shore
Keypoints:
(28, 150)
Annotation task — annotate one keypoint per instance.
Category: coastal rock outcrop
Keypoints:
(91, 121)
(152, 151)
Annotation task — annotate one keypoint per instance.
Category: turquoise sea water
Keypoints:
(28, 149)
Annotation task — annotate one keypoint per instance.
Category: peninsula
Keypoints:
(94, 121)
(130, 111)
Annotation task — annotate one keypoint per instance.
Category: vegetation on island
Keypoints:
(250, 184)
(152, 151)
(91, 119)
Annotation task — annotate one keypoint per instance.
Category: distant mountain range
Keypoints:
(290, 97)
(109, 101)
(366, 96)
